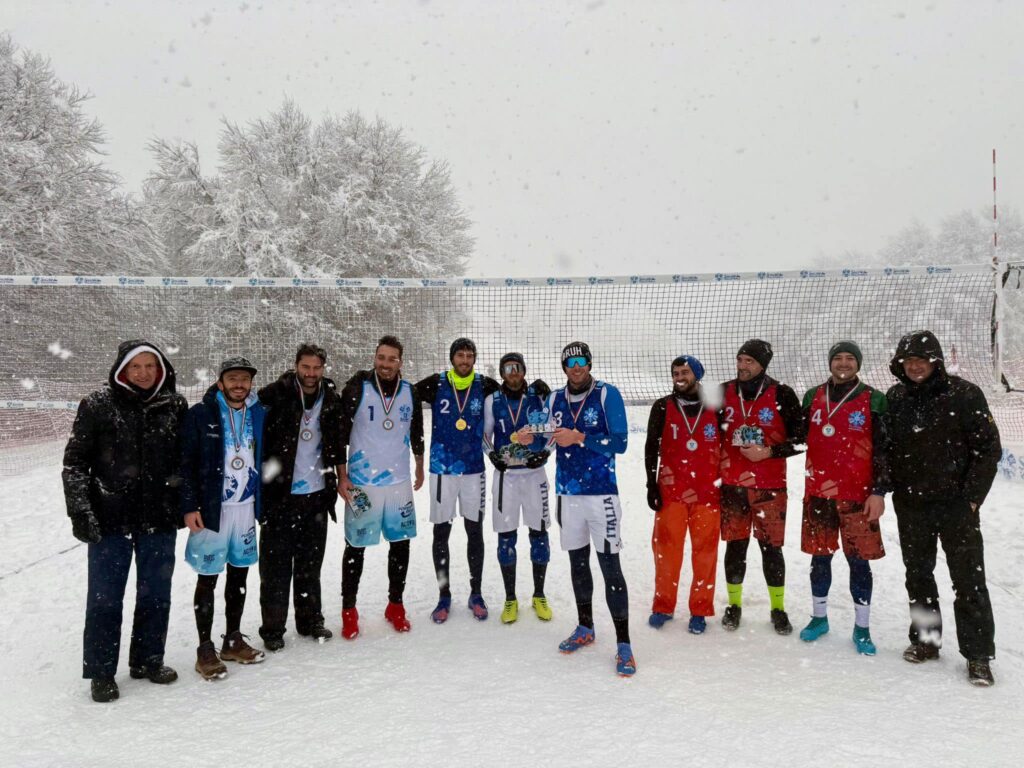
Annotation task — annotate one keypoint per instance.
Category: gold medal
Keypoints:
(515, 437)
(461, 425)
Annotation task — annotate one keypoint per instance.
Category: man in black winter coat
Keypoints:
(943, 456)
(120, 485)
(302, 449)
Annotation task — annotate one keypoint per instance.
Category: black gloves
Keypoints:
(654, 498)
(535, 460)
(86, 528)
(496, 460)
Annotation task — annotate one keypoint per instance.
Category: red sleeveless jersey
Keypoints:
(839, 466)
(763, 423)
(688, 475)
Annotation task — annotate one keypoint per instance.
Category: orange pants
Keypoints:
(670, 525)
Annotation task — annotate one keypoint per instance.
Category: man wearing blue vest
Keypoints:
(456, 398)
(222, 441)
(590, 429)
(520, 483)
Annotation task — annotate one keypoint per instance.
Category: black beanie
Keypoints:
(849, 347)
(512, 357)
(757, 349)
(461, 343)
(577, 349)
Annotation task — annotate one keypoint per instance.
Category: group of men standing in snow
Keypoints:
(140, 464)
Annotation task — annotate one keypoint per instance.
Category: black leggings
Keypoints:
(234, 601)
(772, 562)
(615, 591)
(352, 571)
(474, 554)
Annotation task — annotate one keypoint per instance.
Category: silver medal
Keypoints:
(306, 434)
(691, 444)
(237, 463)
(828, 430)
(388, 424)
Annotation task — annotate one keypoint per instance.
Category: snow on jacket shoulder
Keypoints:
(121, 461)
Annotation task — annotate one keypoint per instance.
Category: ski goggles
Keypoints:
(508, 368)
(576, 362)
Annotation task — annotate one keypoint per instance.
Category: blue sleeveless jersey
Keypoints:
(454, 451)
(503, 411)
(589, 469)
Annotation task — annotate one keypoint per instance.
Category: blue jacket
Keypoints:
(202, 458)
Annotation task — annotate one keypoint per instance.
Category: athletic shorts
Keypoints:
(207, 551)
(825, 519)
(380, 509)
(586, 519)
(762, 510)
(467, 490)
(518, 490)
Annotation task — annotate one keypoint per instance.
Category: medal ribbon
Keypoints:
(234, 433)
(576, 414)
(308, 414)
(387, 404)
(461, 406)
(828, 403)
(686, 421)
(743, 407)
(515, 416)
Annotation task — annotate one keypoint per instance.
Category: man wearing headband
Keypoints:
(221, 454)
(762, 423)
(520, 483)
(299, 461)
(590, 429)
(381, 426)
(456, 398)
(844, 494)
(682, 460)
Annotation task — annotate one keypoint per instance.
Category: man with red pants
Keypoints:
(682, 460)
(761, 424)
(847, 479)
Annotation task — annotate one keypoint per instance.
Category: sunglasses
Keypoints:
(511, 368)
(576, 362)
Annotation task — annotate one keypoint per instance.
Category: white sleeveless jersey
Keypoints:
(378, 455)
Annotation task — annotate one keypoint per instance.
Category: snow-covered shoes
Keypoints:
(919, 653)
(158, 673)
(104, 689)
(208, 663)
(980, 673)
(236, 649)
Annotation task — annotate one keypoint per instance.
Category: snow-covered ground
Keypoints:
(470, 693)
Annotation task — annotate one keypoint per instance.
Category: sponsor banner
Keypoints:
(39, 405)
(131, 281)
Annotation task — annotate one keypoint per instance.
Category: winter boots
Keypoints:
(104, 689)
(978, 673)
(236, 649)
(208, 664)
(158, 674)
(918, 653)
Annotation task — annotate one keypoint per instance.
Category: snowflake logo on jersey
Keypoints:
(710, 433)
(405, 412)
(765, 415)
(858, 419)
(475, 406)
(590, 417)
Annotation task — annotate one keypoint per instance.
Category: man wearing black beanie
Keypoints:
(761, 424)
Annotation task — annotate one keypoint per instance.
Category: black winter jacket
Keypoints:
(944, 444)
(281, 437)
(121, 462)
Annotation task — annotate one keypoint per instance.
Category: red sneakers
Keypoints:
(350, 623)
(395, 614)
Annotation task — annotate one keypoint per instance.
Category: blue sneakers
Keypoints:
(862, 641)
(697, 625)
(814, 630)
(440, 614)
(625, 664)
(658, 620)
(478, 607)
(580, 637)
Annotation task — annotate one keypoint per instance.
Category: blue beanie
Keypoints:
(692, 363)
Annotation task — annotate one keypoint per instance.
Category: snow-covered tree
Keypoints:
(61, 210)
(343, 198)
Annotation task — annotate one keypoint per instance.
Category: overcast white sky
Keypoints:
(596, 137)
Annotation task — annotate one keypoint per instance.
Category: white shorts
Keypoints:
(582, 519)
(520, 489)
(378, 509)
(235, 543)
(468, 490)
